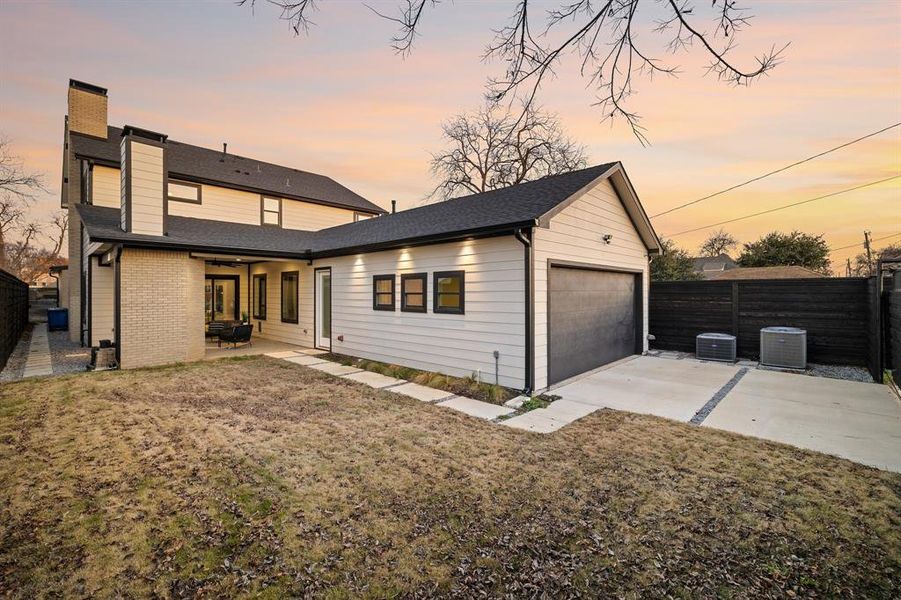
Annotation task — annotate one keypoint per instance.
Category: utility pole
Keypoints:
(866, 244)
(848, 272)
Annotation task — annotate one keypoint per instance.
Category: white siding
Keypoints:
(575, 234)
(105, 184)
(146, 189)
(103, 326)
(225, 204)
(220, 204)
(272, 327)
(312, 217)
(458, 345)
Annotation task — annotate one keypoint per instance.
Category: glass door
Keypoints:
(324, 309)
(221, 298)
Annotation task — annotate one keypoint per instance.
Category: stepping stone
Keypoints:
(552, 418)
(376, 380)
(516, 402)
(305, 360)
(334, 368)
(569, 411)
(313, 352)
(422, 392)
(476, 408)
(282, 354)
(536, 421)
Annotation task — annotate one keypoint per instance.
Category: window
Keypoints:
(383, 292)
(413, 292)
(289, 296)
(259, 297)
(358, 216)
(182, 191)
(271, 211)
(449, 292)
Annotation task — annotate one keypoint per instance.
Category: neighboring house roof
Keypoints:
(782, 272)
(524, 205)
(709, 266)
(203, 165)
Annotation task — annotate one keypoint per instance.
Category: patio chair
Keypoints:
(236, 334)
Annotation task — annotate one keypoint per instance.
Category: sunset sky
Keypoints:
(340, 102)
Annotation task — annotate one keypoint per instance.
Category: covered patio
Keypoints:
(258, 345)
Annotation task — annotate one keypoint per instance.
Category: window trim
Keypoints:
(263, 211)
(197, 186)
(296, 297)
(259, 315)
(375, 292)
(404, 278)
(436, 306)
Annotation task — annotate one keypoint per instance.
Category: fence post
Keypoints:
(735, 310)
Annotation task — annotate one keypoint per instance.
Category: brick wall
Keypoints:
(87, 112)
(161, 307)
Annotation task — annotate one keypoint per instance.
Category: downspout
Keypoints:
(526, 240)
(56, 277)
(118, 305)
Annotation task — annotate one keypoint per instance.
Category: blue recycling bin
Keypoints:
(58, 319)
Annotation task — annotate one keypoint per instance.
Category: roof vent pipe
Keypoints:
(224, 151)
(393, 206)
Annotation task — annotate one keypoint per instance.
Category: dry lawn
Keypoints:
(253, 476)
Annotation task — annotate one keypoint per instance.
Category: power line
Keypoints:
(885, 237)
(785, 168)
(784, 206)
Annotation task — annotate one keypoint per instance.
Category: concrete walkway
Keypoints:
(39, 362)
(474, 408)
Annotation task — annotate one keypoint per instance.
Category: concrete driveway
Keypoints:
(857, 421)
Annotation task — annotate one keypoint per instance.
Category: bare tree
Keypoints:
(608, 38)
(864, 266)
(719, 242)
(17, 188)
(60, 226)
(489, 149)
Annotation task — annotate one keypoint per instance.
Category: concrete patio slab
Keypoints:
(857, 421)
(313, 351)
(303, 359)
(334, 368)
(476, 408)
(376, 380)
(422, 392)
(674, 389)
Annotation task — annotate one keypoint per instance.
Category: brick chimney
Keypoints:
(87, 109)
(144, 207)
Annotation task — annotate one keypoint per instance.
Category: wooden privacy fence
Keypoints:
(13, 313)
(839, 315)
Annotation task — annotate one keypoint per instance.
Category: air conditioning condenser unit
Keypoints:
(783, 347)
(715, 346)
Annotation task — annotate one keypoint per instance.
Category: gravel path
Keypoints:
(68, 357)
(15, 366)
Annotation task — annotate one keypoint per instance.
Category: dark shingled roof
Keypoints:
(190, 162)
(515, 206)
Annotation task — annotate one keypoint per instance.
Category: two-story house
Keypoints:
(537, 282)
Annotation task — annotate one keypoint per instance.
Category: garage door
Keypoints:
(592, 319)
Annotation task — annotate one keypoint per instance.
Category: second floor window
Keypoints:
(271, 209)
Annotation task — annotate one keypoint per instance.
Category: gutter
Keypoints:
(528, 251)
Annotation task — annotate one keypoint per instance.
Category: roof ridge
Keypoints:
(486, 192)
